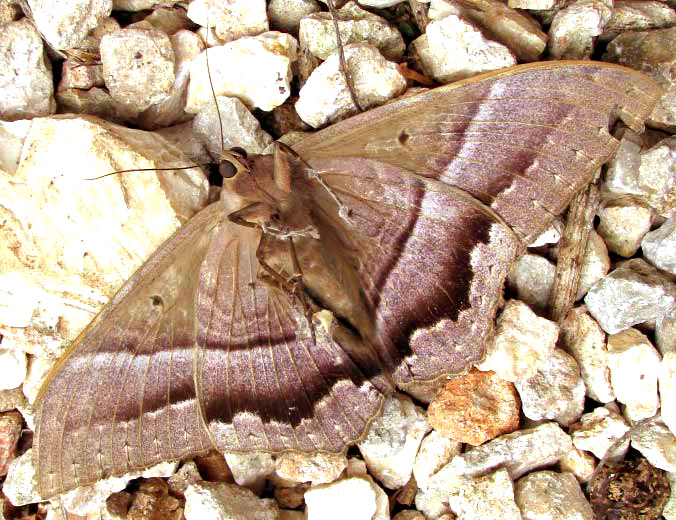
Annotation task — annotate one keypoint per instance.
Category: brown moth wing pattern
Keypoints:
(195, 353)
(522, 142)
(431, 260)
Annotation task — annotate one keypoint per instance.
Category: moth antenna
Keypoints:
(341, 56)
(211, 84)
(145, 170)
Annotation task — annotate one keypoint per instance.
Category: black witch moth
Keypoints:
(373, 254)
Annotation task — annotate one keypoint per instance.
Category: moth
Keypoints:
(372, 254)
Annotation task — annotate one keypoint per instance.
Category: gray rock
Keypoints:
(486, 497)
(285, 15)
(547, 495)
(138, 67)
(623, 226)
(556, 392)
(584, 339)
(633, 293)
(634, 366)
(597, 431)
(263, 72)
(644, 51)
(26, 84)
(240, 128)
(392, 442)
(452, 49)
(532, 277)
(317, 32)
(638, 15)
(659, 246)
(233, 19)
(574, 29)
(325, 98)
(656, 443)
(221, 501)
(65, 24)
(649, 174)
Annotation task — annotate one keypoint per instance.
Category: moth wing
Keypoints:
(431, 262)
(512, 149)
(522, 140)
(194, 353)
(123, 396)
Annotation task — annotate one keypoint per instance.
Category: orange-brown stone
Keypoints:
(475, 408)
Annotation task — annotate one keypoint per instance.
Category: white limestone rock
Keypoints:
(222, 501)
(21, 484)
(392, 442)
(581, 464)
(623, 226)
(170, 110)
(138, 67)
(141, 5)
(83, 238)
(633, 293)
(317, 32)
(353, 498)
(240, 128)
(597, 431)
(659, 246)
(11, 399)
(233, 19)
(634, 365)
(325, 97)
(556, 392)
(585, 340)
(318, 468)
(665, 331)
(656, 443)
(543, 495)
(250, 469)
(38, 368)
(285, 15)
(575, 28)
(595, 264)
(489, 497)
(13, 366)
(522, 343)
(531, 4)
(90, 501)
(518, 453)
(435, 452)
(549, 236)
(532, 277)
(26, 84)
(638, 15)
(453, 49)
(667, 386)
(650, 174)
(257, 70)
(65, 24)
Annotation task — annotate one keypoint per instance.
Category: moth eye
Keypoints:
(227, 169)
(156, 300)
(403, 137)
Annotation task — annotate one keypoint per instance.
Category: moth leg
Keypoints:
(292, 285)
